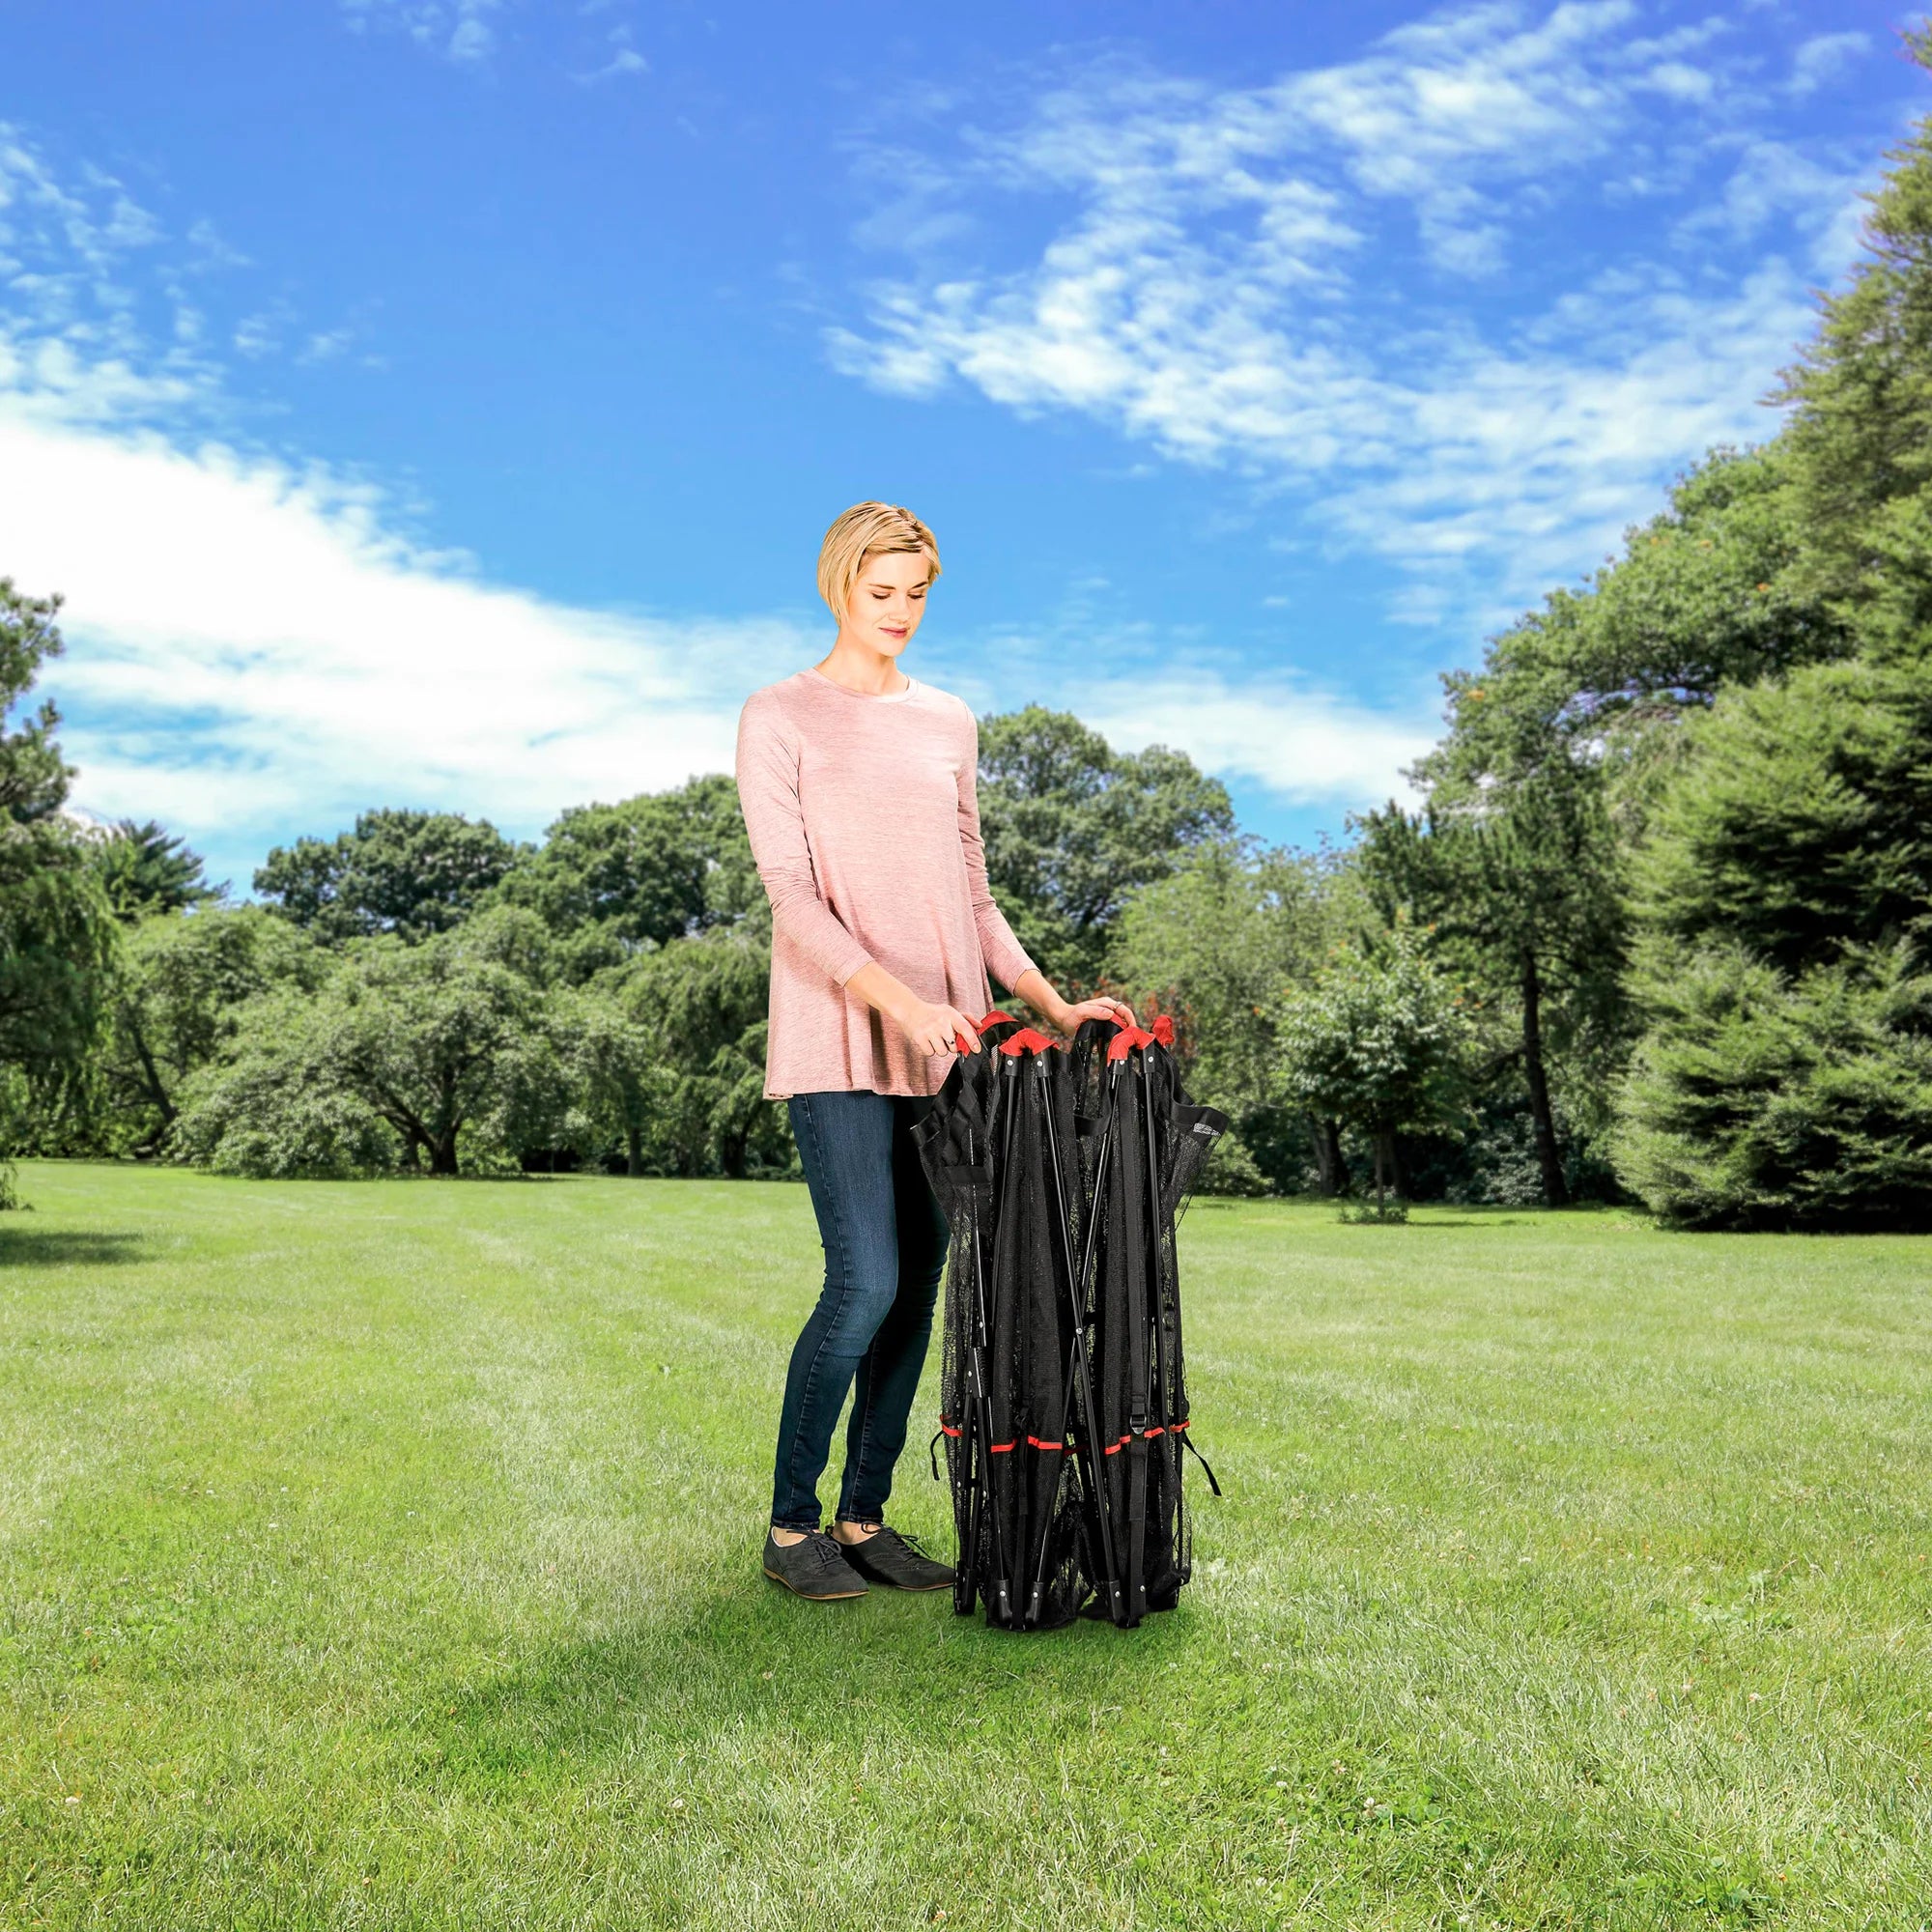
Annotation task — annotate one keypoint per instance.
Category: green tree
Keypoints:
(702, 1002)
(181, 986)
(1218, 942)
(1555, 747)
(1710, 594)
(452, 1045)
(1374, 1040)
(144, 869)
(613, 1057)
(409, 873)
(34, 777)
(56, 931)
(1861, 429)
(1800, 821)
(1784, 909)
(1761, 1098)
(1072, 827)
(275, 1106)
(612, 879)
(1521, 881)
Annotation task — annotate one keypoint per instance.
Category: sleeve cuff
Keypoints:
(851, 962)
(1009, 969)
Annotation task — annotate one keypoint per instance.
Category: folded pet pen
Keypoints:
(1064, 1395)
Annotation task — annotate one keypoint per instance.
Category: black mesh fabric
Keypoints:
(1064, 1394)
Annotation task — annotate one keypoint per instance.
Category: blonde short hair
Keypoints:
(870, 530)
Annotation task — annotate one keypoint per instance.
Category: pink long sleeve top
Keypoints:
(864, 822)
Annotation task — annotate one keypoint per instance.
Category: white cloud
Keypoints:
(258, 648)
(260, 333)
(1825, 56)
(1677, 80)
(1773, 182)
(622, 59)
(458, 29)
(1305, 745)
(254, 652)
(252, 643)
(76, 334)
(248, 645)
(471, 40)
(1289, 280)
(324, 344)
(626, 60)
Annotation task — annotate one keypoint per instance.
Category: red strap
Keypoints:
(1126, 1039)
(1114, 1448)
(1163, 1029)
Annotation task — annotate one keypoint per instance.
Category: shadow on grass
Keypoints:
(62, 1247)
(883, 1669)
(1453, 1221)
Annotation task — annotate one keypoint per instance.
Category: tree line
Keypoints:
(1658, 930)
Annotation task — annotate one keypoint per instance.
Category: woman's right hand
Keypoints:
(938, 1029)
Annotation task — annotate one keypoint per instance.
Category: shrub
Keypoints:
(1762, 1099)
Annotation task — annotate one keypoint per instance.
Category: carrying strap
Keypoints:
(1187, 1442)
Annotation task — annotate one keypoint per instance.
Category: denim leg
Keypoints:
(887, 1378)
(845, 1145)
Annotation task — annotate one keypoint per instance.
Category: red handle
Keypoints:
(1026, 1040)
(995, 1018)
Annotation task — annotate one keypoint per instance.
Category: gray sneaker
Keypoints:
(814, 1567)
(888, 1557)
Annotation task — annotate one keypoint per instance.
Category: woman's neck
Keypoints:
(861, 669)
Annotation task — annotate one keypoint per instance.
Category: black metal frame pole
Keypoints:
(1080, 1373)
(1103, 1500)
(984, 1503)
(1099, 1178)
(1137, 1416)
(966, 1583)
(1156, 1222)
(1019, 1475)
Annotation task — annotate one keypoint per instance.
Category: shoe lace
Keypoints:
(824, 1549)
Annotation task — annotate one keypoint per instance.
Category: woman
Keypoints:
(857, 785)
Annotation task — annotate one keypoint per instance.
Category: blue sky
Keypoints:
(439, 402)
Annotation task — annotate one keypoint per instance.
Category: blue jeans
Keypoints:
(884, 1246)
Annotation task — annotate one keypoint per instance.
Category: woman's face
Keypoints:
(887, 601)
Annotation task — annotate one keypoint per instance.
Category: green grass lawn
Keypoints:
(387, 1554)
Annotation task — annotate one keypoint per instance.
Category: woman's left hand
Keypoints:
(1067, 1018)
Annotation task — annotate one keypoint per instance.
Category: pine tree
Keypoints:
(1861, 431)
(145, 869)
(1784, 907)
